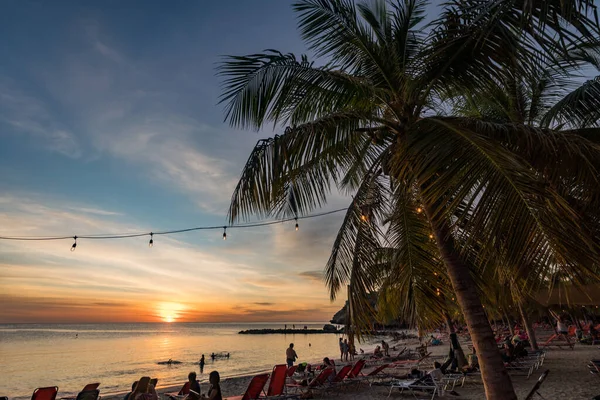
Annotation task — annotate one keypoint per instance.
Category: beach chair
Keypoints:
(341, 375)
(537, 386)
(373, 375)
(357, 369)
(424, 384)
(88, 395)
(185, 390)
(154, 382)
(277, 383)
(45, 393)
(86, 388)
(291, 371)
(254, 390)
(319, 382)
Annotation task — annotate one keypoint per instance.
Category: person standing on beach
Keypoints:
(345, 349)
(386, 348)
(290, 355)
(341, 343)
(202, 362)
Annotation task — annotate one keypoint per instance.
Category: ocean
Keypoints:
(70, 356)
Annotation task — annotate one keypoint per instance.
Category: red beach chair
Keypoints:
(317, 382)
(373, 374)
(185, 390)
(45, 393)
(342, 374)
(90, 386)
(277, 383)
(255, 388)
(356, 370)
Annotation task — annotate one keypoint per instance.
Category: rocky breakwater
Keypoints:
(326, 329)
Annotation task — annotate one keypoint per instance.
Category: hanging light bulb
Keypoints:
(430, 236)
(151, 242)
(297, 227)
(74, 243)
(224, 233)
(419, 210)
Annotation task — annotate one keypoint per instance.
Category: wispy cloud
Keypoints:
(27, 114)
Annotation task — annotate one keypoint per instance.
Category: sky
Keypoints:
(110, 122)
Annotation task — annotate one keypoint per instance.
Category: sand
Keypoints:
(569, 378)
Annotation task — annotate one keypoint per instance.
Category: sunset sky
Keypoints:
(109, 122)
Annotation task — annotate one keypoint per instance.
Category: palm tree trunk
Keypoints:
(497, 382)
(528, 328)
(458, 351)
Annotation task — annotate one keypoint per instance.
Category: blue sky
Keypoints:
(109, 122)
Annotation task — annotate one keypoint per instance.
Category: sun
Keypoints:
(169, 312)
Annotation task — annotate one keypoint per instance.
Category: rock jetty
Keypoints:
(326, 329)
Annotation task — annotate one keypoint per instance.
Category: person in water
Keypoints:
(194, 387)
(202, 362)
(213, 356)
(214, 392)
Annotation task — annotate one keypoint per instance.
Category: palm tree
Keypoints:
(368, 121)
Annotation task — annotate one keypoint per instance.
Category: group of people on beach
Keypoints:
(145, 390)
(347, 350)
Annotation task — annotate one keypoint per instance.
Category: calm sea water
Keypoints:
(117, 354)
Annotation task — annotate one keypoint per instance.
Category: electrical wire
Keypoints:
(171, 232)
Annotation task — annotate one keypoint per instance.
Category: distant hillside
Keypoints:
(339, 317)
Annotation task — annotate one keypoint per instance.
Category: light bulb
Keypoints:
(151, 242)
(419, 210)
(74, 243)
(430, 236)
(224, 233)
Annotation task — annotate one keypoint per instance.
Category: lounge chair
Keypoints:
(88, 395)
(319, 382)
(45, 393)
(341, 375)
(425, 384)
(357, 369)
(154, 382)
(254, 390)
(537, 385)
(185, 390)
(86, 388)
(277, 383)
(371, 376)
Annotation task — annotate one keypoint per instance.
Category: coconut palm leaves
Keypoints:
(493, 190)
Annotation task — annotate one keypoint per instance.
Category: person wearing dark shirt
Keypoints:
(214, 392)
(290, 355)
(194, 387)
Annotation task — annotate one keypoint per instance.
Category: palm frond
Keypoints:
(490, 192)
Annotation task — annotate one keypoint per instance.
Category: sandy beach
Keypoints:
(569, 378)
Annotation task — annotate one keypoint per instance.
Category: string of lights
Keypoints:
(170, 232)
